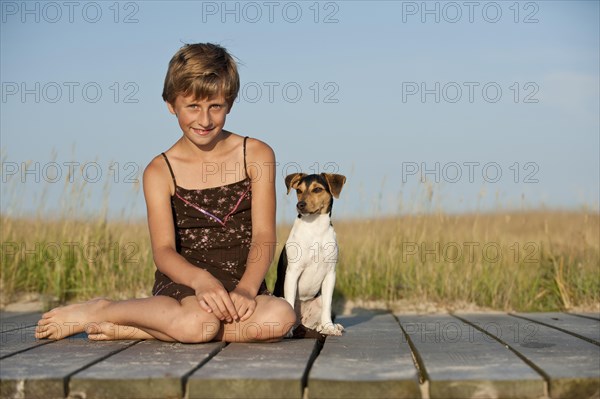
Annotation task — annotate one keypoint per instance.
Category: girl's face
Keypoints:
(201, 121)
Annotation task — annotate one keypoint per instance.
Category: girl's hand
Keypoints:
(213, 298)
(244, 302)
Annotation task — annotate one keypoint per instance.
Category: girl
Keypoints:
(211, 213)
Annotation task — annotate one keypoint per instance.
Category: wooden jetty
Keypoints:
(381, 355)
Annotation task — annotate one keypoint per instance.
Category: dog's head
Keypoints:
(315, 192)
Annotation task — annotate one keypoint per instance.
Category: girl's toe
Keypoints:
(92, 329)
(41, 334)
(99, 334)
(95, 337)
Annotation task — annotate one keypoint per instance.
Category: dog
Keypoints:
(306, 268)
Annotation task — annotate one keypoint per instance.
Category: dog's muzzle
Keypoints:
(301, 206)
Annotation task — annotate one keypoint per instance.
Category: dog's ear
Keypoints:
(291, 181)
(335, 183)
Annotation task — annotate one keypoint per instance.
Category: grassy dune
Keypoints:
(531, 261)
(68, 260)
(527, 261)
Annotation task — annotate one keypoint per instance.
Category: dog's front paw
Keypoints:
(330, 329)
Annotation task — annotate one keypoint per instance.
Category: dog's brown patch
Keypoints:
(292, 181)
(315, 192)
(315, 197)
(335, 182)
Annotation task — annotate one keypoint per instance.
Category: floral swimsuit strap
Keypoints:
(223, 221)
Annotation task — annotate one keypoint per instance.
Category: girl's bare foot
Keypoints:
(107, 331)
(68, 320)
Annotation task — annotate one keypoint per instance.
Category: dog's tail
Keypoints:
(281, 269)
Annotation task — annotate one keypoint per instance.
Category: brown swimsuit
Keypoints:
(213, 230)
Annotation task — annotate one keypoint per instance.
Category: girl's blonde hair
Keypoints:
(204, 70)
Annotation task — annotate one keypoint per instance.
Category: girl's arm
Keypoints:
(211, 294)
(261, 170)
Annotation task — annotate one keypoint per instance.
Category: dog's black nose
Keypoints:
(301, 205)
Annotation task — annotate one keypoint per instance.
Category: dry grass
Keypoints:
(529, 261)
(74, 259)
(547, 260)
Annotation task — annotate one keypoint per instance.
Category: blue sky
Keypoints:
(497, 102)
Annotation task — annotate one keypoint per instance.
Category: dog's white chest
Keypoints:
(312, 252)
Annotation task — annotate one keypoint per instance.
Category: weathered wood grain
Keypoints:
(41, 372)
(462, 362)
(589, 315)
(10, 322)
(149, 369)
(571, 364)
(371, 360)
(579, 326)
(260, 370)
(15, 341)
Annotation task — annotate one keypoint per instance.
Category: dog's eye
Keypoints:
(298, 191)
(317, 190)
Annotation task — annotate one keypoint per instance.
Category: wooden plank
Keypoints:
(42, 371)
(265, 370)
(149, 369)
(571, 364)
(462, 362)
(589, 315)
(371, 360)
(15, 341)
(582, 327)
(15, 322)
(30, 317)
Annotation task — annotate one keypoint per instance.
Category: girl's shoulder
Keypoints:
(157, 166)
(157, 174)
(260, 160)
(253, 145)
(258, 150)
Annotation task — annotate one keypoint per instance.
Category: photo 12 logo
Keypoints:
(469, 92)
(53, 252)
(470, 12)
(71, 172)
(53, 12)
(470, 252)
(470, 171)
(71, 92)
(289, 92)
(253, 12)
(457, 331)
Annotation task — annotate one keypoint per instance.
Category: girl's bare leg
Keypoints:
(160, 316)
(271, 320)
(107, 331)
